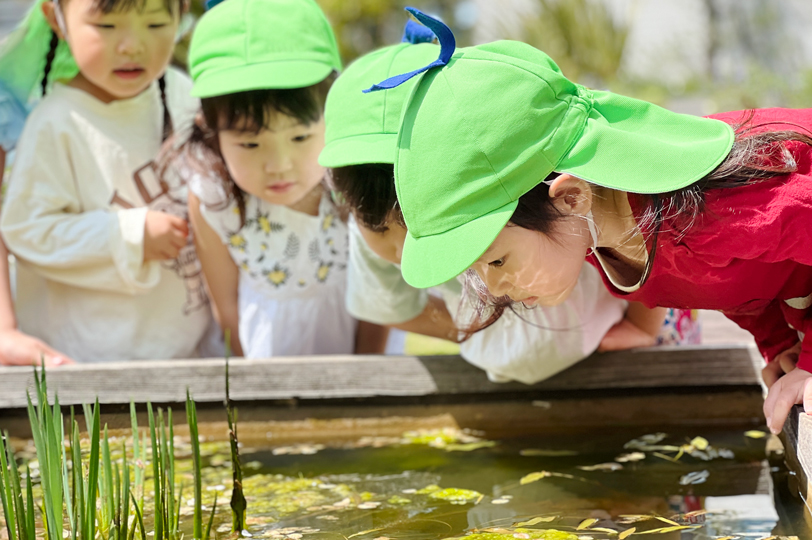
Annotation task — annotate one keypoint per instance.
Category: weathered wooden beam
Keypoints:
(364, 377)
(797, 439)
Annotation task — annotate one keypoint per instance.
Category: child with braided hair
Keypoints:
(106, 269)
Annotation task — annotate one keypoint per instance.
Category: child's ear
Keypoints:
(571, 195)
(49, 10)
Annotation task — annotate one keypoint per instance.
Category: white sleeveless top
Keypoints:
(293, 274)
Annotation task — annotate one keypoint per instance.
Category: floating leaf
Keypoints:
(634, 518)
(468, 447)
(666, 520)
(500, 501)
(603, 530)
(534, 477)
(536, 521)
(533, 452)
(625, 534)
(755, 434)
(587, 523)
(605, 467)
(700, 443)
(630, 457)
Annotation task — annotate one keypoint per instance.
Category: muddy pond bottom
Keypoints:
(446, 483)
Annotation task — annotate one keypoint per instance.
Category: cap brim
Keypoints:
(431, 260)
(267, 75)
(369, 148)
(653, 151)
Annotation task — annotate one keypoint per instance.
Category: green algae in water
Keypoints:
(456, 495)
(524, 534)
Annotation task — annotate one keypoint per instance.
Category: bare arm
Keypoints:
(370, 338)
(222, 275)
(434, 321)
(639, 328)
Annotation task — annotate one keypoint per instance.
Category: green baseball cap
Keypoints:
(242, 45)
(363, 128)
(494, 121)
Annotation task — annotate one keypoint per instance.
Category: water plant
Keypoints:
(98, 496)
(238, 503)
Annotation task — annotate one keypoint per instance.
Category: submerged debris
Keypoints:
(696, 477)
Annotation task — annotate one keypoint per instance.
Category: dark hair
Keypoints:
(368, 190)
(754, 157)
(108, 6)
(243, 111)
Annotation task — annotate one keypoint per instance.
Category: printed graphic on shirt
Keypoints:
(162, 196)
(284, 249)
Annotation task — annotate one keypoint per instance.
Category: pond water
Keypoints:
(441, 484)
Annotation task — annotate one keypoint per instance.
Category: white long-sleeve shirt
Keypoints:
(82, 182)
(528, 345)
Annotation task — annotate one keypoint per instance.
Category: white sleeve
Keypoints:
(376, 290)
(43, 223)
(530, 345)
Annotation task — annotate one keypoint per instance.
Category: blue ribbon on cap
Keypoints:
(415, 33)
(447, 46)
(211, 3)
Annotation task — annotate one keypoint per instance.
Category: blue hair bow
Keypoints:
(447, 46)
(211, 3)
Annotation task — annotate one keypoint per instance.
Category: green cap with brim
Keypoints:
(363, 128)
(481, 131)
(242, 45)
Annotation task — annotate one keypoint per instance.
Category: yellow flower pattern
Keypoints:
(237, 241)
(285, 250)
(323, 272)
(264, 224)
(278, 276)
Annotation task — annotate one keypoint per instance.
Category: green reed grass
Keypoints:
(95, 496)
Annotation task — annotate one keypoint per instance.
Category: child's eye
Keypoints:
(249, 145)
(158, 25)
(105, 26)
(497, 263)
(301, 138)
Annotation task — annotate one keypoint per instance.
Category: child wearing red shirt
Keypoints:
(507, 167)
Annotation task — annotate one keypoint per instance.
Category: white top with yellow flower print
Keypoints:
(293, 275)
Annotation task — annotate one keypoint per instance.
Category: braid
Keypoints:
(49, 60)
(167, 117)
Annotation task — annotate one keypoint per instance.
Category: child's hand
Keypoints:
(18, 349)
(794, 387)
(164, 236)
(625, 335)
(781, 364)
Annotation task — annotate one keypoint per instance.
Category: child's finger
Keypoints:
(180, 224)
(780, 410)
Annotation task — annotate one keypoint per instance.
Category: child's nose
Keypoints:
(130, 44)
(496, 283)
(278, 164)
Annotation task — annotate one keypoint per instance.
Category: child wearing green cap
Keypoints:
(672, 210)
(105, 269)
(523, 344)
(271, 241)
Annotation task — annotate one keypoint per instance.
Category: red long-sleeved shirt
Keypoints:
(748, 255)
